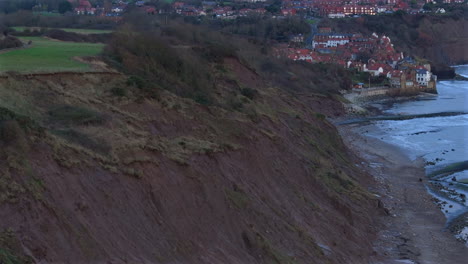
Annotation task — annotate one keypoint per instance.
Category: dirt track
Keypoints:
(414, 228)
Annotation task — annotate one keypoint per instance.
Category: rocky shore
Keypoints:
(414, 228)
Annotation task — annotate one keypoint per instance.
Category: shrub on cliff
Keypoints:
(13, 136)
(76, 37)
(73, 115)
(9, 42)
(29, 32)
(183, 58)
(156, 64)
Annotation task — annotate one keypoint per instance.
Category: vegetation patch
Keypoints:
(119, 91)
(45, 55)
(74, 115)
(273, 253)
(179, 149)
(26, 123)
(9, 189)
(10, 42)
(249, 93)
(11, 251)
(337, 182)
(83, 140)
(135, 173)
(237, 197)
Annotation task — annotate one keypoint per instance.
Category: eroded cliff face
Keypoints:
(88, 176)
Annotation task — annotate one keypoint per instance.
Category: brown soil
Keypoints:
(172, 181)
(414, 227)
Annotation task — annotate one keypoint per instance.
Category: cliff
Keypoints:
(89, 175)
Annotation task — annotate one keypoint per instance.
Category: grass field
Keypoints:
(48, 56)
(75, 30)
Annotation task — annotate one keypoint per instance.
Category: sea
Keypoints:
(435, 128)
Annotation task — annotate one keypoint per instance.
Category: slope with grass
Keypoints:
(45, 55)
(200, 156)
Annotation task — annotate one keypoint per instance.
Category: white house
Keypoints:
(380, 9)
(336, 15)
(305, 57)
(423, 76)
(117, 9)
(331, 40)
(373, 69)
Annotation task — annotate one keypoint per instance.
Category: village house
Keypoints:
(358, 10)
(374, 69)
(410, 82)
(423, 77)
(151, 10)
(337, 15)
(250, 11)
(359, 66)
(117, 9)
(288, 12)
(299, 38)
(397, 78)
(178, 5)
(324, 30)
(223, 12)
(359, 85)
(325, 40)
(381, 9)
(85, 8)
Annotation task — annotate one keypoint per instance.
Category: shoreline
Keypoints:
(414, 230)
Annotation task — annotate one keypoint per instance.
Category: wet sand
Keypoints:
(414, 230)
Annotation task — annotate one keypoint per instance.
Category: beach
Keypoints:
(413, 231)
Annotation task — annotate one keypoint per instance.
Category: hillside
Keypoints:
(202, 158)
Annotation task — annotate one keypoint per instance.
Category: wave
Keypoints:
(403, 117)
(433, 120)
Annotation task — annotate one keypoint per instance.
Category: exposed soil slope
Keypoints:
(92, 173)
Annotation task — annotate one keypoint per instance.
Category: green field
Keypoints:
(75, 30)
(46, 55)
